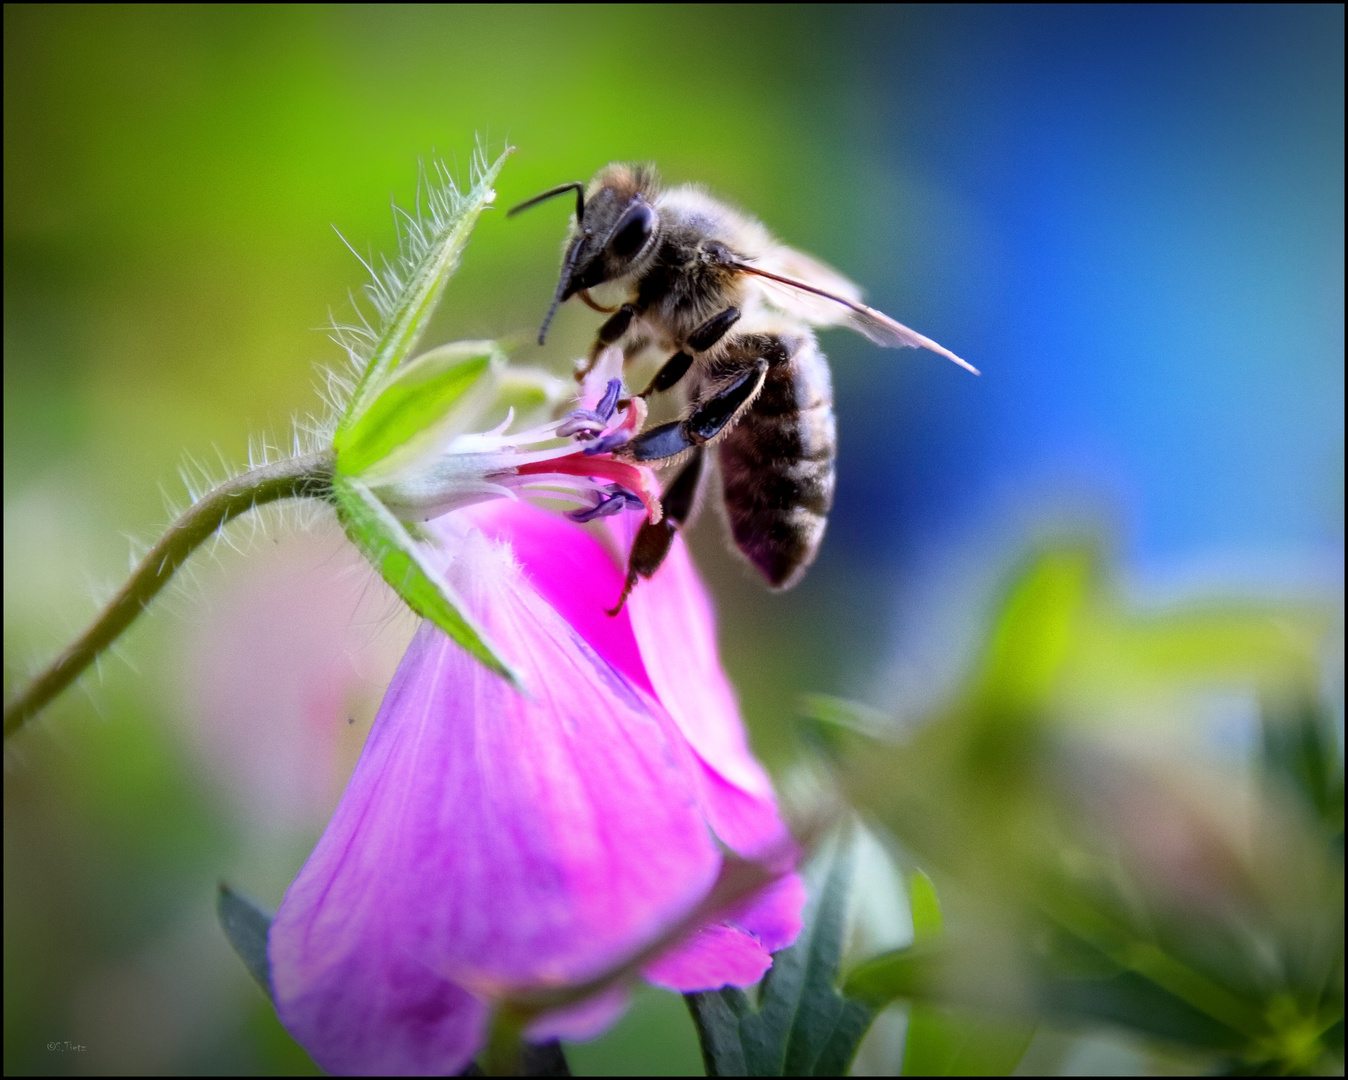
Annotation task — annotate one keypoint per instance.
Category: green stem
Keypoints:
(309, 476)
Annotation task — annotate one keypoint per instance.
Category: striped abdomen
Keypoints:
(777, 462)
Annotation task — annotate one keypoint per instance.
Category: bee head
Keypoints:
(615, 231)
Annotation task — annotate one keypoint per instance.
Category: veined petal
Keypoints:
(578, 576)
(675, 628)
(573, 572)
(486, 840)
(669, 634)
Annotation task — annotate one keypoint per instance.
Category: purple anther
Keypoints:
(608, 442)
(582, 423)
(609, 401)
(605, 508)
(620, 492)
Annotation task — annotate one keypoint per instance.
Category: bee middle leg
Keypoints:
(653, 542)
(700, 340)
(712, 418)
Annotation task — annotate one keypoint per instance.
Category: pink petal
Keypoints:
(714, 957)
(573, 572)
(583, 1021)
(738, 951)
(374, 1009)
(664, 641)
(487, 840)
(578, 576)
(747, 824)
(675, 629)
(773, 915)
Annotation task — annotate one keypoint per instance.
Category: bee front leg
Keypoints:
(653, 542)
(614, 328)
(710, 419)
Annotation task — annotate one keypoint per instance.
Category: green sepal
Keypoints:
(402, 325)
(245, 926)
(528, 391)
(383, 540)
(414, 403)
(802, 1025)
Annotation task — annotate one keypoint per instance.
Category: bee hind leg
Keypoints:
(653, 542)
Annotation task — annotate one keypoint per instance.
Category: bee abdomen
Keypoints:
(777, 466)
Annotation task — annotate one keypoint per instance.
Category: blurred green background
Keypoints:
(1131, 220)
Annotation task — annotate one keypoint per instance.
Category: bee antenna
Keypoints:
(552, 193)
(568, 265)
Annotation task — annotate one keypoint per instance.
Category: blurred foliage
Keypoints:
(1102, 879)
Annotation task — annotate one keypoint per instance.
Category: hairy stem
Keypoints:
(299, 477)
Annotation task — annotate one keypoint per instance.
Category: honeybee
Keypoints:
(731, 309)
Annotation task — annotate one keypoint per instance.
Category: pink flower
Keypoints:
(492, 841)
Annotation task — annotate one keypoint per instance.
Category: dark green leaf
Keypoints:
(246, 925)
(1301, 753)
(802, 1026)
(943, 977)
(1131, 1001)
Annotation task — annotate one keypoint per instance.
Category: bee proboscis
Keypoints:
(732, 310)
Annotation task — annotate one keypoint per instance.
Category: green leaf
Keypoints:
(407, 296)
(399, 560)
(953, 1042)
(925, 907)
(246, 925)
(802, 1026)
(1034, 632)
(414, 402)
(832, 724)
(910, 972)
(946, 978)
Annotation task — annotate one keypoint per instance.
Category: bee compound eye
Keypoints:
(633, 231)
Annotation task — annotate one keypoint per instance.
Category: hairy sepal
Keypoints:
(430, 261)
(417, 403)
(388, 545)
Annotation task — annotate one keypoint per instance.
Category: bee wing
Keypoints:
(820, 295)
(827, 308)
